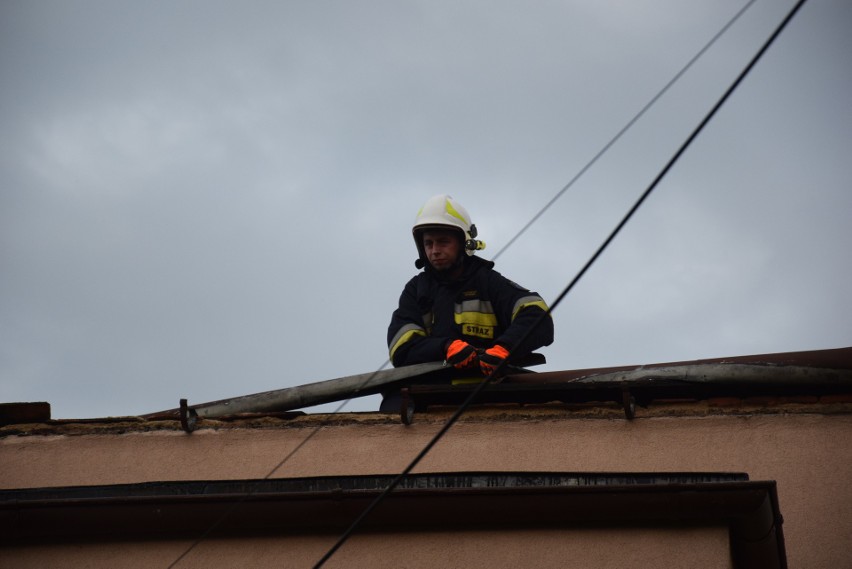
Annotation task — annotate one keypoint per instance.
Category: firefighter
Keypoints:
(458, 308)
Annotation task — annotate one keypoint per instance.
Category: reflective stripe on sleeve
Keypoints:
(405, 334)
(527, 302)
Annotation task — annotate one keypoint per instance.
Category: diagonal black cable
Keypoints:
(218, 521)
(600, 153)
(626, 127)
(475, 392)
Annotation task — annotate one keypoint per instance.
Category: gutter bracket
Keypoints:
(188, 417)
(628, 402)
(406, 407)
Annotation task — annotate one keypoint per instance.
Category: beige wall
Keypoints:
(809, 455)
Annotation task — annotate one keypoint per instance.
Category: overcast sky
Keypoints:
(207, 199)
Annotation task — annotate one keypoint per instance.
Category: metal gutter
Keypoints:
(707, 373)
(300, 396)
(834, 359)
(281, 400)
(494, 501)
(795, 375)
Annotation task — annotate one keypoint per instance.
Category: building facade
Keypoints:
(710, 476)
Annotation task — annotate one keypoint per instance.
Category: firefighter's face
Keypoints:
(442, 248)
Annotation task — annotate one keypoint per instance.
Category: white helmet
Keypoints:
(443, 212)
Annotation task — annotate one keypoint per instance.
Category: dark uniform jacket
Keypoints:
(482, 307)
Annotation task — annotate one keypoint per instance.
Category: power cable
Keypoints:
(478, 389)
(626, 127)
(222, 517)
(453, 419)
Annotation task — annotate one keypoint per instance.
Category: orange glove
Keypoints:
(461, 355)
(492, 358)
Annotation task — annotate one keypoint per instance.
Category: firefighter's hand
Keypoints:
(492, 358)
(461, 355)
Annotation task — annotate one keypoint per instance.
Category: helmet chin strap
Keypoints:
(457, 264)
(420, 263)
